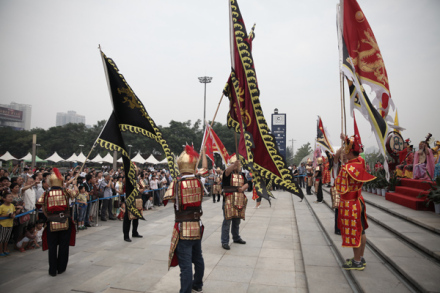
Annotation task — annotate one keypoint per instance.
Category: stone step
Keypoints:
(420, 270)
(425, 240)
(322, 271)
(376, 277)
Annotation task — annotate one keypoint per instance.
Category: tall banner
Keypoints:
(358, 96)
(366, 57)
(257, 146)
(111, 139)
(131, 114)
(322, 138)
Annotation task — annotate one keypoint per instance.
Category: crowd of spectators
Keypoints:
(100, 197)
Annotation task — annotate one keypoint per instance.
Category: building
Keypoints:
(16, 115)
(70, 117)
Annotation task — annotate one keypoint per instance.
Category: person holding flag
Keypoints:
(352, 218)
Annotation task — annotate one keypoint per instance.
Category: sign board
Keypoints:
(8, 114)
(279, 132)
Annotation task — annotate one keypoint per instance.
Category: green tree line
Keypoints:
(66, 139)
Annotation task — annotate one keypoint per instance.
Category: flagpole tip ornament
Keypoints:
(56, 179)
(359, 16)
(187, 161)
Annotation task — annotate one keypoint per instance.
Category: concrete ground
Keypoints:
(101, 261)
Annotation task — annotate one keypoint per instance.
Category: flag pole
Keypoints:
(82, 167)
(209, 130)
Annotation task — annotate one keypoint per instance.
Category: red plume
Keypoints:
(191, 152)
(57, 173)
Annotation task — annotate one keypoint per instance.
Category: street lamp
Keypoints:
(293, 150)
(81, 148)
(129, 150)
(205, 80)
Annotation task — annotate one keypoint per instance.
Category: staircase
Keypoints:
(407, 193)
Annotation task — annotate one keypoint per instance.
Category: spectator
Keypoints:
(91, 207)
(301, 175)
(7, 209)
(28, 240)
(29, 198)
(154, 186)
(106, 207)
(81, 200)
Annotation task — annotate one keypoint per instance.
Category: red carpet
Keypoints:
(406, 194)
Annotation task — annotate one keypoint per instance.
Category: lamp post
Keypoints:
(129, 150)
(81, 148)
(205, 80)
(293, 150)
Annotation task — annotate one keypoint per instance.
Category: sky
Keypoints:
(49, 58)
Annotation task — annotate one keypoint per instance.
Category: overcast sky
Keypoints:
(49, 59)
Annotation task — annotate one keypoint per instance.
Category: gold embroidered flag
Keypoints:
(257, 147)
(131, 114)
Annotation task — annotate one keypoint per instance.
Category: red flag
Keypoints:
(365, 53)
(257, 145)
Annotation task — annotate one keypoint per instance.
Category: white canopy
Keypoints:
(151, 160)
(7, 157)
(73, 158)
(164, 161)
(108, 159)
(138, 159)
(97, 159)
(28, 157)
(55, 158)
(120, 160)
(81, 158)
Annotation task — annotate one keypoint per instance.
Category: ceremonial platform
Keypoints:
(291, 247)
(407, 193)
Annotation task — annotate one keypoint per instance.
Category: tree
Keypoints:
(303, 151)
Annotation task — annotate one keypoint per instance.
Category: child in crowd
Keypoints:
(82, 199)
(28, 240)
(7, 209)
(39, 233)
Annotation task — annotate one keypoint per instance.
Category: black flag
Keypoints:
(111, 139)
(131, 114)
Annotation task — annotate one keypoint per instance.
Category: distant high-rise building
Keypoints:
(16, 115)
(69, 117)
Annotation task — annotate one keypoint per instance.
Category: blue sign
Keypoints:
(279, 132)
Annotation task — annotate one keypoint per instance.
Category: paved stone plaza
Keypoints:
(286, 251)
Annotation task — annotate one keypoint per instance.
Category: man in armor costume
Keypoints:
(352, 220)
(186, 240)
(318, 180)
(234, 202)
(60, 230)
(217, 187)
(309, 179)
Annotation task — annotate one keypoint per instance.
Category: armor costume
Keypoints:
(60, 231)
(186, 239)
(217, 187)
(234, 204)
(352, 218)
(326, 177)
(309, 179)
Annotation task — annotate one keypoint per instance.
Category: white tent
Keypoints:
(138, 159)
(97, 159)
(55, 158)
(120, 160)
(28, 157)
(151, 160)
(7, 157)
(164, 161)
(81, 158)
(108, 159)
(73, 158)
